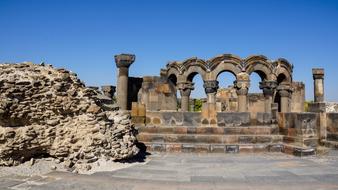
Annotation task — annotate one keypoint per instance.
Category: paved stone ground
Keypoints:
(199, 171)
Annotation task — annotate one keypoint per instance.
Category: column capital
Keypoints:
(210, 86)
(124, 60)
(185, 88)
(285, 90)
(242, 88)
(268, 87)
(318, 73)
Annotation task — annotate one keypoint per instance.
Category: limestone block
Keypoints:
(134, 109)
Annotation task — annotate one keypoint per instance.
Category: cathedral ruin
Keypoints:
(230, 120)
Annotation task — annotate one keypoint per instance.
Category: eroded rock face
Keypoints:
(47, 111)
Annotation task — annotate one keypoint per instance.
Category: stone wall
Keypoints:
(157, 93)
(298, 97)
(196, 119)
(49, 112)
(299, 128)
(332, 126)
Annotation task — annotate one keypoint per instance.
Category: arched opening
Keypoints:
(172, 79)
(281, 78)
(256, 100)
(197, 96)
(226, 97)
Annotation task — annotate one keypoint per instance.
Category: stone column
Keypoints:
(185, 90)
(123, 61)
(318, 77)
(284, 91)
(268, 88)
(242, 85)
(211, 88)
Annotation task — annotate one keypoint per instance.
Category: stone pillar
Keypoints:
(123, 61)
(185, 90)
(284, 91)
(242, 85)
(268, 88)
(211, 88)
(318, 77)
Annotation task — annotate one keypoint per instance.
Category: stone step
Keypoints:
(296, 150)
(330, 144)
(301, 141)
(251, 130)
(208, 138)
(213, 148)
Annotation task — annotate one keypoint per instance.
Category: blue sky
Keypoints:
(84, 35)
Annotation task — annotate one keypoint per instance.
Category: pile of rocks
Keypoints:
(49, 112)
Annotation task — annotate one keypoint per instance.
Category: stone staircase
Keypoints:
(250, 139)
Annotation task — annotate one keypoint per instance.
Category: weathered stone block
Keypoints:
(233, 119)
(264, 118)
(191, 119)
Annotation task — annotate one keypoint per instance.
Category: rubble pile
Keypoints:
(49, 112)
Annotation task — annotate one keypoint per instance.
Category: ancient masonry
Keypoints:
(231, 120)
(49, 112)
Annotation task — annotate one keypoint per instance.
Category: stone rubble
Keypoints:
(48, 112)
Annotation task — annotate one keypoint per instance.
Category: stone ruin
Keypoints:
(231, 120)
(49, 112)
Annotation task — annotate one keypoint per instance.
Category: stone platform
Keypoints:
(243, 139)
(190, 171)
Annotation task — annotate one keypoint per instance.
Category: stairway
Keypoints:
(249, 139)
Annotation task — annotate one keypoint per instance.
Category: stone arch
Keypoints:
(192, 71)
(225, 67)
(282, 73)
(259, 65)
(282, 66)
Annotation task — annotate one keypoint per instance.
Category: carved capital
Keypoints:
(185, 88)
(242, 81)
(284, 93)
(318, 73)
(210, 86)
(268, 87)
(242, 91)
(284, 90)
(124, 60)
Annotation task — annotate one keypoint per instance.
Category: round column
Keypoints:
(185, 91)
(268, 88)
(123, 61)
(284, 91)
(318, 77)
(242, 85)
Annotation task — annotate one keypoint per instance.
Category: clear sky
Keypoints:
(84, 35)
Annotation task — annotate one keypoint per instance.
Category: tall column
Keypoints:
(123, 61)
(185, 90)
(318, 77)
(268, 88)
(284, 91)
(242, 85)
(211, 88)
